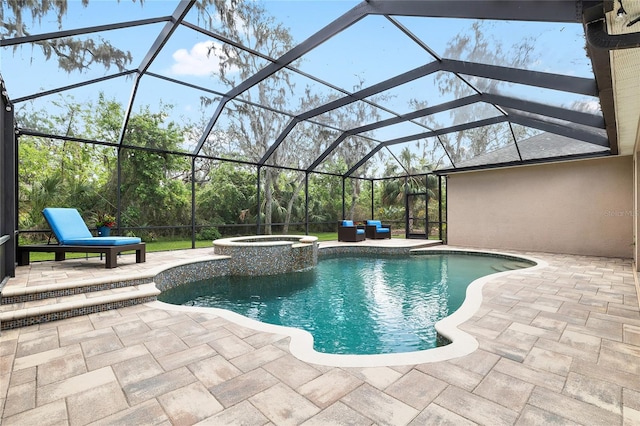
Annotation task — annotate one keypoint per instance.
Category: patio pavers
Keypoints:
(559, 344)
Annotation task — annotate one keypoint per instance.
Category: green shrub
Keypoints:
(208, 234)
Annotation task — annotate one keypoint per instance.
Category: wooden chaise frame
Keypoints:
(110, 252)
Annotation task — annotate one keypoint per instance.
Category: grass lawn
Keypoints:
(163, 246)
(171, 245)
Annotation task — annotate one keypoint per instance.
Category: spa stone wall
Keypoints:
(182, 274)
(360, 250)
(264, 257)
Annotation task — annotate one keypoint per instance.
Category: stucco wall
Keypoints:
(580, 207)
(636, 206)
(636, 202)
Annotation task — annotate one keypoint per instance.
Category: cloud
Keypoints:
(196, 61)
(585, 105)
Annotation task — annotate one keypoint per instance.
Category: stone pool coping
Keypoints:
(264, 240)
(301, 345)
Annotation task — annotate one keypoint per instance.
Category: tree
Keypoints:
(68, 173)
(395, 190)
(251, 129)
(151, 190)
(72, 53)
(60, 172)
(325, 200)
(475, 45)
(228, 197)
(355, 148)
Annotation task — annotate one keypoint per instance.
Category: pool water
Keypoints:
(353, 305)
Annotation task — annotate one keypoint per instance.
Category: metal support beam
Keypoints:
(439, 207)
(445, 130)
(521, 10)
(193, 202)
(9, 189)
(118, 186)
(457, 103)
(279, 140)
(343, 194)
(407, 225)
(327, 151)
(573, 133)
(363, 160)
(564, 83)
(601, 65)
(306, 203)
(515, 141)
(373, 188)
(584, 118)
(258, 221)
(80, 31)
(72, 86)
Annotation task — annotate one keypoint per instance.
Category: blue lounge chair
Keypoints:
(73, 235)
(349, 232)
(376, 230)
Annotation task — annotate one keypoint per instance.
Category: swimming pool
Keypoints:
(355, 305)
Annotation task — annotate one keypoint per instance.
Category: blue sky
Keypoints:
(183, 53)
(372, 48)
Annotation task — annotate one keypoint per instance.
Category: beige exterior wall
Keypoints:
(580, 207)
(636, 206)
(636, 202)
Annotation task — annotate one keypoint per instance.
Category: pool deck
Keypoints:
(557, 345)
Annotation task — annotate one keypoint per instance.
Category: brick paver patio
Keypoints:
(558, 345)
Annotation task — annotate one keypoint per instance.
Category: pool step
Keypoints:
(511, 266)
(505, 267)
(39, 304)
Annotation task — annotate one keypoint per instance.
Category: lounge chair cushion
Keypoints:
(102, 241)
(378, 225)
(350, 224)
(70, 229)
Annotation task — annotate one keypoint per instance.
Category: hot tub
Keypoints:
(268, 254)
